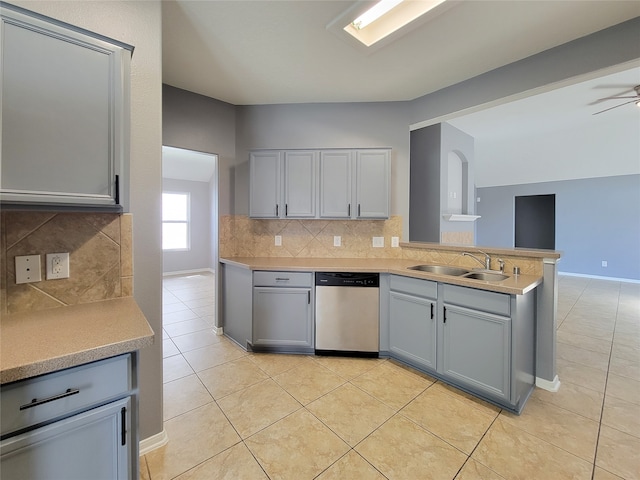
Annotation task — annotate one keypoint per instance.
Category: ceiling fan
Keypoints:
(635, 99)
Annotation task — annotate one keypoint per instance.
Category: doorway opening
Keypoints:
(535, 221)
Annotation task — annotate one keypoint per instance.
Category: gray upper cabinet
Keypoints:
(355, 183)
(335, 183)
(282, 184)
(300, 184)
(265, 184)
(373, 171)
(344, 183)
(65, 114)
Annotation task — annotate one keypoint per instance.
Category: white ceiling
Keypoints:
(265, 52)
(563, 108)
(180, 164)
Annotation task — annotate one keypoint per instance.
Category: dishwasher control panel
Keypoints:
(343, 279)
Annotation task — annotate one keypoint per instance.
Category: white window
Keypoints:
(175, 221)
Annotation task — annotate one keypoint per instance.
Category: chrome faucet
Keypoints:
(487, 259)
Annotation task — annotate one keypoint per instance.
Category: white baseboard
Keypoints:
(187, 272)
(218, 330)
(599, 277)
(155, 441)
(553, 386)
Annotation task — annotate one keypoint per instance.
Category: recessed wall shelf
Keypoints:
(457, 217)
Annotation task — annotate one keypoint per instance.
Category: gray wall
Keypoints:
(424, 205)
(342, 125)
(596, 219)
(203, 124)
(139, 24)
(455, 140)
(198, 257)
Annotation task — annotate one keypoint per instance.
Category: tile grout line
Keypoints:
(604, 396)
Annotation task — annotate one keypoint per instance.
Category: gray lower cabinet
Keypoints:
(488, 343)
(65, 114)
(476, 349)
(77, 423)
(237, 311)
(413, 322)
(283, 312)
(87, 445)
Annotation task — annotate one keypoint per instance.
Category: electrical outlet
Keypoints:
(337, 240)
(28, 269)
(378, 242)
(57, 265)
(604, 263)
(395, 242)
(278, 240)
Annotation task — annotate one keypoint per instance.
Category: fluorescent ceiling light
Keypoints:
(374, 13)
(386, 17)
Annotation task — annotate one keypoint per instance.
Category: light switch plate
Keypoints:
(395, 242)
(28, 269)
(378, 242)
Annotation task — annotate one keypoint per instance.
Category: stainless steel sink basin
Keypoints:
(440, 269)
(486, 276)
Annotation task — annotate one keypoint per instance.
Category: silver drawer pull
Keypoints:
(35, 402)
(282, 279)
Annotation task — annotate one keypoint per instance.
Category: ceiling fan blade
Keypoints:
(604, 99)
(616, 106)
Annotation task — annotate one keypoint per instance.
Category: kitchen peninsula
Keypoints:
(513, 313)
(69, 381)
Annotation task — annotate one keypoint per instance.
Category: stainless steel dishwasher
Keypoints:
(347, 313)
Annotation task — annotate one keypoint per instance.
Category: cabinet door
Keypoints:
(335, 184)
(372, 183)
(412, 329)
(264, 185)
(299, 184)
(94, 444)
(282, 317)
(64, 114)
(477, 350)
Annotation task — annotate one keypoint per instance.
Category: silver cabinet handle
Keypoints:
(281, 279)
(35, 402)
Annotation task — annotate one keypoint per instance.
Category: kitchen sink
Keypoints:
(486, 276)
(440, 269)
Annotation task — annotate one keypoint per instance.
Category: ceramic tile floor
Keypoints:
(234, 415)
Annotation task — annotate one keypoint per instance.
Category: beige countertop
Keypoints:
(34, 343)
(516, 285)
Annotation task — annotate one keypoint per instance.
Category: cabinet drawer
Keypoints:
(55, 394)
(492, 302)
(282, 279)
(414, 286)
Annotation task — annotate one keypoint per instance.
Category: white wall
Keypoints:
(610, 147)
(139, 24)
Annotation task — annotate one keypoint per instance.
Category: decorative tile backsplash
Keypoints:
(241, 236)
(100, 258)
